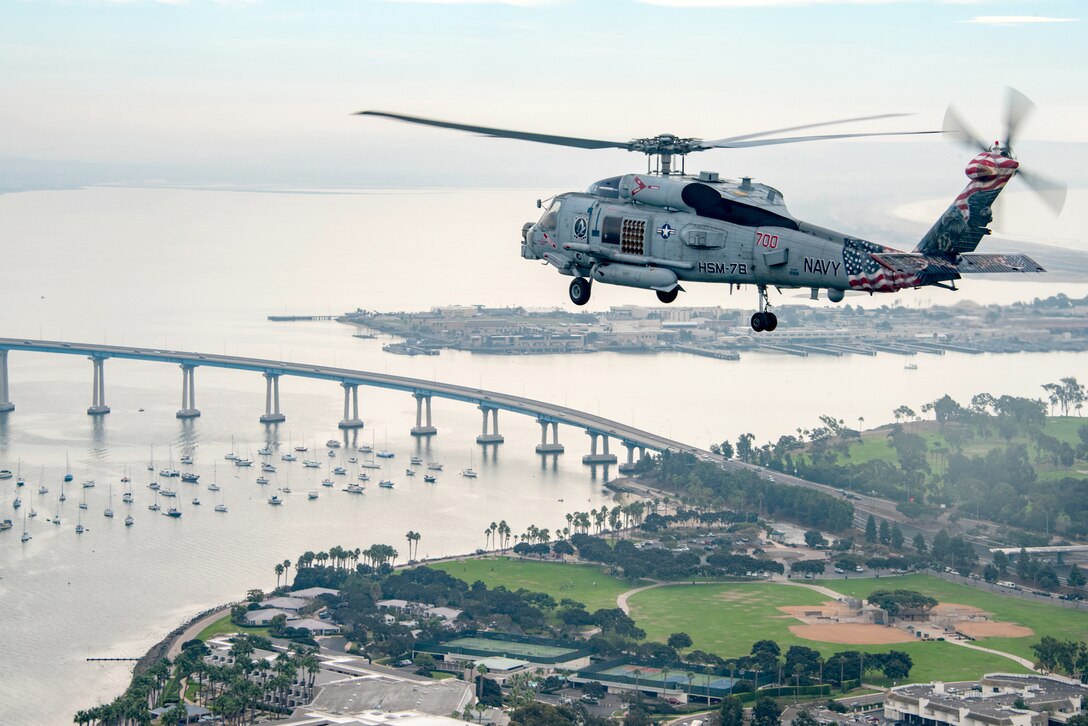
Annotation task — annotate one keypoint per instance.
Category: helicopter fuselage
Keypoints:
(654, 232)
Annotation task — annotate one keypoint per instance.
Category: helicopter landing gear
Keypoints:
(764, 320)
(668, 297)
(580, 289)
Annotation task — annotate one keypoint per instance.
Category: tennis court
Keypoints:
(656, 677)
(510, 648)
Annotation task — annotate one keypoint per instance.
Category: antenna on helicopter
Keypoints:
(663, 146)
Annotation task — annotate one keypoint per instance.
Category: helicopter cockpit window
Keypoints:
(608, 188)
(550, 220)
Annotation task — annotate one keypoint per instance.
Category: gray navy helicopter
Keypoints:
(658, 229)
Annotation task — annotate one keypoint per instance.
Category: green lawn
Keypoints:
(726, 619)
(585, 583)
(1044, 619)
(224, 625)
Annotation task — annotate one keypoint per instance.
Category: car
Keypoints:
(840, 571)
(404, 662)
(859, 568)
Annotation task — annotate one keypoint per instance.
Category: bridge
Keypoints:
(548, 415)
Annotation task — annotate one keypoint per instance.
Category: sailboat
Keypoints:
(19, 480)
(430, 478)
(154, 506)
(151, 461)
(26, 535)
(231, 456)
(79, 524)
(469, 471)
(174, 511)
(83, 502)
(109, 509)
(32, 512)
(220, 506)
(170, 471)
(214, 486)
(67, 469)
(127, 496)
(62, 497)
(129, 521)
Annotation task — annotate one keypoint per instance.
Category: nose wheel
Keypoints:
(764, 320)
(580, 289)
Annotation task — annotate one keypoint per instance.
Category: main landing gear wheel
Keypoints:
(764, 321)
(668, 297)
(579, 290)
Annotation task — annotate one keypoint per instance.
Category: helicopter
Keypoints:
(657, 229)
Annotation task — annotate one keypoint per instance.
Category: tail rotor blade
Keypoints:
(955, 128)
(1050, 191)
(1017, 108)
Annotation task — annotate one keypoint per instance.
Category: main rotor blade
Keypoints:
(800, 139)
(757, 134)
(505, 133)
(1017, 108)
(1050, 191)
(955, 128)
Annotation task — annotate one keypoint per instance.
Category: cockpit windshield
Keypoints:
(608, 188)
(550, 220)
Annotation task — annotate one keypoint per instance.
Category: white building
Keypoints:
(998, 699)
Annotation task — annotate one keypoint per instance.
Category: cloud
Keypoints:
(1016, 20)
(761, 3)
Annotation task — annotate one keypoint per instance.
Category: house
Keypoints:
(316, 627)
(312, 593)
(265, 615)
(290, 604)
(997, 699)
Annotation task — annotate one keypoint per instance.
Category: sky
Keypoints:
(262, 91)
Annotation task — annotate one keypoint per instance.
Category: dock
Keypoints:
(299, 318)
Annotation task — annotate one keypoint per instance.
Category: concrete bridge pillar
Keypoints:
(593, 457)
(629, 466)
(351, 418)
(98, 395)
(188, 393)
(549, 448)
(420, 429)
(272, 399)
(494, 437)
(5, 393)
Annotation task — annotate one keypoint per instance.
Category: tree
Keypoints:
(813, 538)
(732, 712)
(885, 533)
(919, 543)
(870, 530)
(1076, 577)
(1001, 562)
(679, 641)
(766, 712)
(897, 536)
(804, 717)
(726, 450)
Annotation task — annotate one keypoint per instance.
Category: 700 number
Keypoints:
(766, 240)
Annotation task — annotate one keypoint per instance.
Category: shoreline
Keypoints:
(171, 642)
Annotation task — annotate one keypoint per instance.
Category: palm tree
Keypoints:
(286, 569)
(279, 573)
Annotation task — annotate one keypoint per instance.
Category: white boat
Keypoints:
(89, 484)
(6, 524)
(17, 503)
(354, 489)
(435, 466)
(154, 506)
(363, 476)
(19, 480)
(415, 460)
(43, 489)
(326, 482)
(311, 464)
(275, 500)
(339, 470)
(168, 492)
(150, 461)
(312, 495)
(385, 454)
(190, 477)
(196, 501)
(430, 478)
(289, 457)
(386, 484)
(409, 472)
(364, 449)
(332, 453)
(127, 497)
(62, 496)
(231, 456)
(268, 467)
(370, 465)
(79, 525)
(186, 459)
(911, 366)
(285, 489)
(168, 472)
(262, 480)
(153, 485)
(109, 508)
(265, 451)
(221, 507)
(469, 471)
(129, 520)
(213, 487)
(173, 512)
(243, 462)
(353, 460)
(301, 449)
(6, 474)
(332, 444)
(26, 535)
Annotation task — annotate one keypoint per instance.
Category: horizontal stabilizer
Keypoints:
(998, 263)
